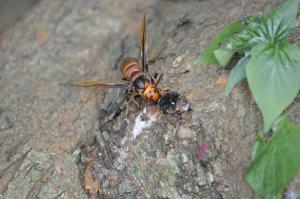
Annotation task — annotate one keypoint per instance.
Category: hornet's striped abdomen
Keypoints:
(130, 69)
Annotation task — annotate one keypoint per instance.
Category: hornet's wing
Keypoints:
(101, 85)
(144, 39)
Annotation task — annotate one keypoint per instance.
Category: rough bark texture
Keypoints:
(59, 141)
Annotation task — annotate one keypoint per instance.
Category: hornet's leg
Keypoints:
(134, 100)
(157, 78)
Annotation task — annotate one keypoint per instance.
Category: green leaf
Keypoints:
(208, 57)
(279, 21)
(273, 74)
(237, 74)
(272, 28)
(277, 163)
(248, 37)
(223, 56)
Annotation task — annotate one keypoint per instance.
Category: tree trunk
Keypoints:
(60, 141)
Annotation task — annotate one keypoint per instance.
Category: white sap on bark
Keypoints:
(140, 124)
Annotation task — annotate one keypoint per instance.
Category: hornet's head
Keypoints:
(151, 93)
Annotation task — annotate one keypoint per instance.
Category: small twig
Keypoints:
(57, 196)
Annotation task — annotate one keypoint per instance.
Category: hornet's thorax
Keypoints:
(142, 84)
